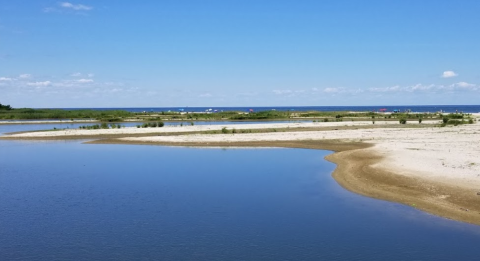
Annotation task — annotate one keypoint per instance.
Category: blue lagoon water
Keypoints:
(64, 200)
(6, 128)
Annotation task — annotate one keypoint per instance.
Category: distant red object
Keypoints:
(383, 110)
(251, 110)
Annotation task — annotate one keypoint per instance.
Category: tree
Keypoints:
(5, 107)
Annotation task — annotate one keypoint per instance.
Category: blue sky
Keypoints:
(238, 53)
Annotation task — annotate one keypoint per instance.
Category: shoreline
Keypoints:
(434, 169)
(354, 172)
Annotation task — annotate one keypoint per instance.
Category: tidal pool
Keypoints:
(64, 200)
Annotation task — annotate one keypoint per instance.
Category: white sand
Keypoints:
(450, 154)
(187, 128)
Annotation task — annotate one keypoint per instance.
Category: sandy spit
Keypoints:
(434, 169)
(431, 168)
(198, 128)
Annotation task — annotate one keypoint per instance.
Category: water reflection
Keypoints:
(67, 200)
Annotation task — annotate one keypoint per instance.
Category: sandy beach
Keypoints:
(436, 169)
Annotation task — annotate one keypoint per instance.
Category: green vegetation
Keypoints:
(456, 119)
(101, 126)
(5, 107)
(156, 119)
(151, 125)
(6, 112)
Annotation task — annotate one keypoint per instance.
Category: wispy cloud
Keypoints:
(25, 76)
(449, 74)
(427, 88)
(385, 89)
(84, 81)
(282, 92)
(339, 90)
(62, 7)
(39, 84)
(5, 79)
(333, 90)
(205, 95)
(464, 86)
(76, 7)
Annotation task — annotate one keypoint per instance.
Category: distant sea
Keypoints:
(412, 108)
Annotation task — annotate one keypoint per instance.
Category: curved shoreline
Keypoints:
(355, 173)
(430, 168)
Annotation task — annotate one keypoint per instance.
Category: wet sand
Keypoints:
(430, 168)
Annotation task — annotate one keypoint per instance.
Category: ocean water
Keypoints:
(389, 108)
(64, 200)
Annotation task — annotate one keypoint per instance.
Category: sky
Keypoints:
(162, 53)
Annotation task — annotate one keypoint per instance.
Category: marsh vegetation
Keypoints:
(153, 119)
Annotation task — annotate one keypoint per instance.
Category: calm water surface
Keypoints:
(6, 128)
(63, 200)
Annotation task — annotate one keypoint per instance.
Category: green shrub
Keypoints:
(455, 122)
(224, 130)
(161, 124)
(419, 120)
(403, 121)
(455, 116)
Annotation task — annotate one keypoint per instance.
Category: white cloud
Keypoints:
(90, 75)
(342, 90)
(449, 74)
(385, 89)
(77, 74)
(84, 81)
(421, 87)
(205, 95)
(281, 92)
(430, 88)
(333, 90)
(465, 84)
(76, 7)
(5, 79)
(39, 84)
(25, 76)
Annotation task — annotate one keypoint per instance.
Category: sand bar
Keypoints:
(436, 169)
